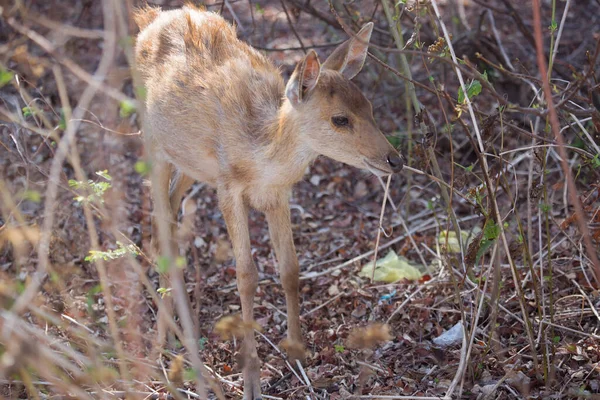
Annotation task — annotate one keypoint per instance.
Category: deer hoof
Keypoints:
(294, 350)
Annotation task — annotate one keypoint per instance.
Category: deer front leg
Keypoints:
(235, 212)
(280, 230)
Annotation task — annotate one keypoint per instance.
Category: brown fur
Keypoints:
(145, 15)
(218, 111)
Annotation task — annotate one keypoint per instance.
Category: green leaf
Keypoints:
(545, 208)
(142, 168)
(162, 265)
(491, 230)
(97, 189)
(484, 246)
(62, 123)
(394, 140)
(104, 174)
(32, 195)
(95, 290)
(556, 339)
(5, 77)
(120, 251)
(20, 287)
(28, 111)
(339, 348)
(180, 262)
(473, 90)
(127, 108)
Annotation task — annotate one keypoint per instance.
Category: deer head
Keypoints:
(335, 118)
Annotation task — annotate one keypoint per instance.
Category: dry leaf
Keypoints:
(232, 326)
(176, 370)
(369, 336)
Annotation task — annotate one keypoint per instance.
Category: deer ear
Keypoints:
(304, 78)
(349, 57)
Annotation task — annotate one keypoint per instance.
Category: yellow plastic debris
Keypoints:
(391, 268)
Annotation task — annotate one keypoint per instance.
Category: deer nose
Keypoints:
(396, 162)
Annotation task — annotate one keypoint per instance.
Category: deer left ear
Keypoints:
(349, 57)
(304, 79)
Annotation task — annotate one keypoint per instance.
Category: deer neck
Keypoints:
(286, 149)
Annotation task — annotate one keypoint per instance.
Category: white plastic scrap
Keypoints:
(451, 337)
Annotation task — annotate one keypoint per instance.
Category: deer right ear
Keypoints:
(304, 78)
(349, 57)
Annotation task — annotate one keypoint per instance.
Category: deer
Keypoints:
(218, 111)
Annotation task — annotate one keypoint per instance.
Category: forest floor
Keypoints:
(525, 290)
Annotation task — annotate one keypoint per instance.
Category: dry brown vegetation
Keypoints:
(514, 165)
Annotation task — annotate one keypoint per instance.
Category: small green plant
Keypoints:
(127, 108)
(5, 77)
(28, 112)
(164, 292)
(556, 339)
(32, 195)
(473, 90)
(545, 207)
(553, 27)
(62, 123)
(121, 251)
(491, 231)
(339, 348)
(180, 262)
(97, 189)
(595, 162)
(162, 265)
(142, 168)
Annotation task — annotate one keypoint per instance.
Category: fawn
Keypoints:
(218, 111)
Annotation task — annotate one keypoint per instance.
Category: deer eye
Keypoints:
(340, 121)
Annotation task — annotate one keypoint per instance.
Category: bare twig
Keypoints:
(385, 196)
(555, 125)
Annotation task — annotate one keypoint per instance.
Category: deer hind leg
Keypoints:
(168, 187)
(235, 212)
(280, 231)
(162, 232)
(180, 183)
(160, 177)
